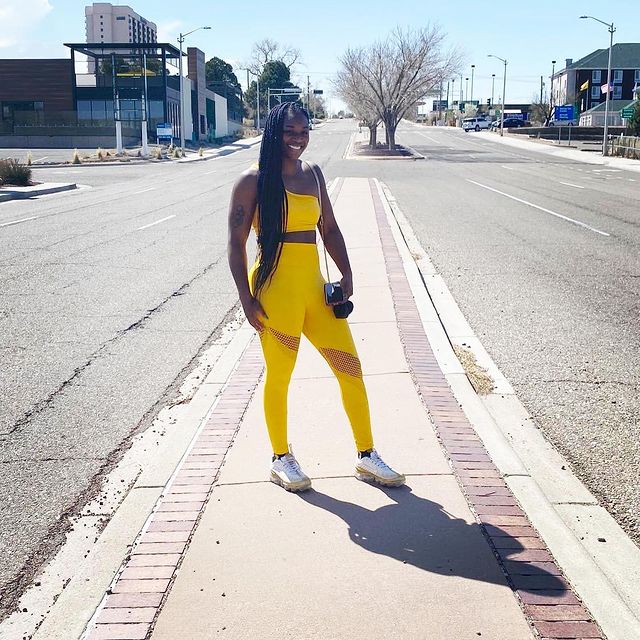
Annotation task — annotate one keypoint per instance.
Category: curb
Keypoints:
(12, 194)
(138, 161)
(529, 464)
(544, 595)
(349, 155)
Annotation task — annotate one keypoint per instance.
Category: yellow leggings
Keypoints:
(294, 302)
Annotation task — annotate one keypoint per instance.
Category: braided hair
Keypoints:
(272, 199)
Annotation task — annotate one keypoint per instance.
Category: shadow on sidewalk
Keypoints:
(420, 532)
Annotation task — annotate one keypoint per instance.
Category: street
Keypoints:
(110, 292)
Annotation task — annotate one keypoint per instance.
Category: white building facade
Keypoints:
(108, 23)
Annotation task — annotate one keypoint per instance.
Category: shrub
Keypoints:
(29, 159)
(75, 158)
(177, 152)
(158, 153)
(12, 172)
(201, 152)
(100, 153)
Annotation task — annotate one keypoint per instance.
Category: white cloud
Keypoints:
(18, 18)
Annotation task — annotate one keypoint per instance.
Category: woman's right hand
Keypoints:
(254, 312)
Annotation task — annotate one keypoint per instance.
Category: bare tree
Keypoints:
(268, 50)
(357, 94)
(540, 110)
(398, 71)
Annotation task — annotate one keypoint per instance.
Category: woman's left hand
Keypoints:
(347, 286)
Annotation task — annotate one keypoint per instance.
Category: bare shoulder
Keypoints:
(312, 166)
(247, 182)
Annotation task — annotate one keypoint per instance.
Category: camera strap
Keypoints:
(324, 248)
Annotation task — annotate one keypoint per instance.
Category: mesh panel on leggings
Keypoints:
(291, 342)
(343, 362)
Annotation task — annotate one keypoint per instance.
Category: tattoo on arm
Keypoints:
(237, 217)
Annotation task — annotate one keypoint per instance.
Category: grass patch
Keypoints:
(480, 380)
(14, 173)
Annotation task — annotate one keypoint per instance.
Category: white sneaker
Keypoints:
(373, 468)
(286, 472)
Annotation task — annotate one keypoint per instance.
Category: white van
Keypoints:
(475, 124)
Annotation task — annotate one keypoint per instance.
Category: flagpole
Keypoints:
(605, 142)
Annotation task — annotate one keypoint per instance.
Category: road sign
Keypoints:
(290, 90)
(164, 131)
(439, 105)
(317, 92)
(564, 113)
(628, 112)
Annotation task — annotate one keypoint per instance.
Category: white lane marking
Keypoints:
(6, 224)
(504, 166)
(577, 186)
(429, 138)
(143, 190)
(40, 159)
(206, 173)
(535, 206)
(146, 226)
(631, 179)
(606, 170)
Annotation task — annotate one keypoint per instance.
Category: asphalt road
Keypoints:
(108, 295)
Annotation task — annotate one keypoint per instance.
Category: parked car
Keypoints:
(563, 123)
(509, 123)
(475, 123)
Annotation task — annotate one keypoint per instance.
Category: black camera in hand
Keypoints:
(334, 296)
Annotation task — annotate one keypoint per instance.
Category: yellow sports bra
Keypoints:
(303, 212)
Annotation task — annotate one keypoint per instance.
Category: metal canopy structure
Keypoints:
(105, 49)
(127, 82)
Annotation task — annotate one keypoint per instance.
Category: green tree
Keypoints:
(217, 70)
(221, 79)
(634, 122)
(275, 75)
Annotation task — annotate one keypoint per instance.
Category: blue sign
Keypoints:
(564, 113)
(164, 131)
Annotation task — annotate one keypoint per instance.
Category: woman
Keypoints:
(283, 294)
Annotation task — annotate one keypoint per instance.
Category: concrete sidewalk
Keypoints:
(450, 556)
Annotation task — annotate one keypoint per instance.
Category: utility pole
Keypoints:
(541, 88)
(473, 68)
(258, 103)
(493, 82)
(308, 96)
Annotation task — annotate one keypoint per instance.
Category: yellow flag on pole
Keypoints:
(584, 85)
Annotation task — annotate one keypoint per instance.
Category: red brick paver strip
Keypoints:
(136, 596)
(526, 562)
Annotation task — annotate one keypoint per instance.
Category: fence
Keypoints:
(626, 147)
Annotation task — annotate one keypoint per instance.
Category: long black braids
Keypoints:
(272, 199)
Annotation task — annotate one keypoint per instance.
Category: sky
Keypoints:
(528, 37)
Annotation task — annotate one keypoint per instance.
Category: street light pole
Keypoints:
(553, 73)
(605, 138)
(473, 68)
(181, 38)
(504, 91)
(466, 91)
(493, 82)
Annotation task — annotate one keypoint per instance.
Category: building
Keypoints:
(32, 91)
(108, 23)
(595, 116)
(581, 83)
(76, 102)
